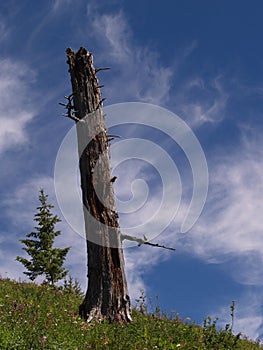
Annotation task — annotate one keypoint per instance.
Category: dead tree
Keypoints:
(107, 294)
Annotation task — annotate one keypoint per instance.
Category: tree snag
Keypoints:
(107, 294)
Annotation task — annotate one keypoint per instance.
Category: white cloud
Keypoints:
(140, 75)
(138, 262)
(231, 224)
(16, 108)
(115, 32)
(134, 276)
(229, 232)
(25, 199)
(200, 101)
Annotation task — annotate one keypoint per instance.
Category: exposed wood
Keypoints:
(107, 293)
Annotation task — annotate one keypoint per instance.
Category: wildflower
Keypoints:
(21, 308)
(43, 340)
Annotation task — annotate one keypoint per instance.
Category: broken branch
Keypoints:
(144, 241)
(99, 69)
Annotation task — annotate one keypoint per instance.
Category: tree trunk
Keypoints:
(107, 294)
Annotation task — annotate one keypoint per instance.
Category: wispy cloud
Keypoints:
(4, 30)
(58, 4)
(200, 101)
(138, 262)
(229, 232)
(25, 199)
(139, 75)
(16, 109)
(231, 224)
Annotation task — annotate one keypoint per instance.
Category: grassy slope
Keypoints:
(38, 317)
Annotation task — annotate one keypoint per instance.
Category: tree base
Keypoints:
(122, 315)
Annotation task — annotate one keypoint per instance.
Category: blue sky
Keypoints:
(202, 61)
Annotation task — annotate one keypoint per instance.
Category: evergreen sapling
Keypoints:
(45, 259)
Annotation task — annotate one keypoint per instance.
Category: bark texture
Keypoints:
(107, 293)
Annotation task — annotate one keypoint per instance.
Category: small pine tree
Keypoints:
(73, 286)
(45, 259)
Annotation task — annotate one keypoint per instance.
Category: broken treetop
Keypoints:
(85, 84)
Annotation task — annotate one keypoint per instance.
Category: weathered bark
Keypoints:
(107, 294)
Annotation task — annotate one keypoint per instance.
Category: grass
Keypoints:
(40, 317)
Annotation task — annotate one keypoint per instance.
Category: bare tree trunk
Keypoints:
(107, 294)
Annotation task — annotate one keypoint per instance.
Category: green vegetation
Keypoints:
(45, 317)
(45, 260)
